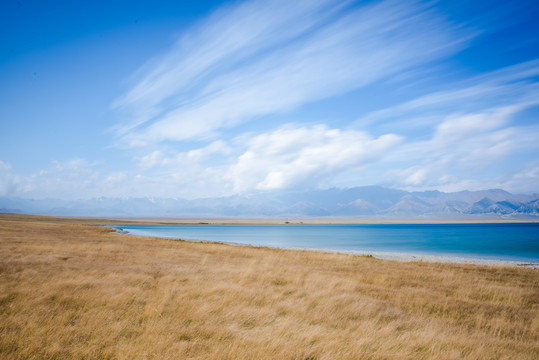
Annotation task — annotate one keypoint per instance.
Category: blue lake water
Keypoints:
(519, 242)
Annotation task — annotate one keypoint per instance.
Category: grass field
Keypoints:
(70, 289)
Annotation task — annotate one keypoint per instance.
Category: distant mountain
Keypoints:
(488, 206)
(409, 205)
(367, 202)
(531, 208)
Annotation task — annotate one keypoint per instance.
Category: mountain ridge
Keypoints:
(366, 201)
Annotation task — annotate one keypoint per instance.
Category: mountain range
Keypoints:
(361, 202)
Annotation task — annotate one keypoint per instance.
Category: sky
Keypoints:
(194, 99)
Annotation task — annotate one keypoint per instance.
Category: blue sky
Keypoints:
(211, 98)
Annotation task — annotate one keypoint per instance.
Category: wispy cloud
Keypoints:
(510, 86)
(257, 58)
(227, 38)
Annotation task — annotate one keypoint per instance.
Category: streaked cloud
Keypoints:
(512, 86)
(256, 59)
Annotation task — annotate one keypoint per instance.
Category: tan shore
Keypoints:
(311, 221)
(264, 221)
(70, 289)
(317, 221)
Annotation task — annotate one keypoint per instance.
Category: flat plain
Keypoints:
(70, 289)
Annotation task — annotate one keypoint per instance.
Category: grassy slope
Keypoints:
(69, 289)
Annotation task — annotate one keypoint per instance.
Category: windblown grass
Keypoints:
(69, 289)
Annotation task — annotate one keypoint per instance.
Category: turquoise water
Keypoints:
(519, 242)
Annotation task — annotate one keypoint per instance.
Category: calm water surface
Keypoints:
(518, 242)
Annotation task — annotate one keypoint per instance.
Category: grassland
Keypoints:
(73, 290)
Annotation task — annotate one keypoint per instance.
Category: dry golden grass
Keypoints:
(69, 289)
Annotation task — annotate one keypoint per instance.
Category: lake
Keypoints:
(516, 242)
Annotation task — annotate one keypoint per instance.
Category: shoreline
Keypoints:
(381, 255)
(113, 220)
(318, 221)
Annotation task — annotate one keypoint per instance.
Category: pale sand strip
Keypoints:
(396, 256)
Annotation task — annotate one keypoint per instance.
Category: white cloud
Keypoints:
(524, 180)
(456, 128)
(465, 149)
(292, 156)
(514, 87)
(478, 141)
(466, 152)
(80, 179)
(8, 179)
(474, 135)
(184, 159)
(231, 34)
(286, 157)
(257, 58)
(152, 159)
(71, 165)
(413, 176)
(116, 178)
(216, 147)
